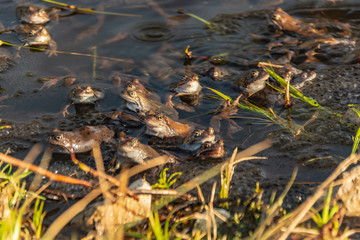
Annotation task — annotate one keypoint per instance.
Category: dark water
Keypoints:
(152, 48)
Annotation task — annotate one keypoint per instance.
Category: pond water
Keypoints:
(151, 47)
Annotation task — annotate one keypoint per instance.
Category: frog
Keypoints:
(85, 94)
(32, 14)
(229, 109)
(137, 86)
(211, 150)
(162, 126)
(193, 141)
(84, 98)
(138, 102)
(252, 82)
(187, 86)
(132, 151)
(215, 73)
(297, 77)
(79, 140)
(284, 22)
(36, 36)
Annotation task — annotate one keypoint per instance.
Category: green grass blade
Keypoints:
(357, 136)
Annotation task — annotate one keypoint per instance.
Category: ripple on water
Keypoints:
(152, 32)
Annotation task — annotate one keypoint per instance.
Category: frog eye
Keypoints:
(304, 75)
(134, 142)
(254, 74)
(132, 94)
(275, 17)
(160, 117)
(58, 137)
(197, 133)
(88, 89)
(207, 145)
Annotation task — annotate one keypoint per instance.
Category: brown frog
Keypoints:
(137, 86)
(198, 137)
(36, 36)
(211, 150)
(285, 22)
(85, 94)
(162, 126)
(125, 118)
(138, 102)
(296, 76)
(32, 14)
(229, 109)
(188, 85)
(132, 151)
(252, 82)
(79, 140)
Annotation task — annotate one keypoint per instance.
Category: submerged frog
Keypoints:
(85, 94)
(162, 126)
(211, 150)
(188, 85)
(296, 76)
(198, 137)
(81, 139)
(252, 82)
(32, 14)
(36, 36)
(131, 150)
(138, 102)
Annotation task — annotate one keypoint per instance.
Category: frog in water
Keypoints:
(211, 150)
(252, 82)
(162, 126)
(85, 94)
(296, 76)
(285, 23)
(138, 102)
(133, 151)
(137, 86)
(32, 14)
(36, 36)
(79, 140)
(188, 85)
(198, 137)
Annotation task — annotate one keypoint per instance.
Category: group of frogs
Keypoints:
(160, 121)
(161, 124)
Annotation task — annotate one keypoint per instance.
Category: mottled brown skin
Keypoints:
(188, 85)
(133, 151)
(210, 150)
(162, 126)
(85, 94)
(36, 36)
(287, 23)
(137, 102)
(198, 137)
(32, 14)
(252, 82)
(81, 139)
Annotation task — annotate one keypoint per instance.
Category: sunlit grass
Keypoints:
(89, 10)
(268, 113)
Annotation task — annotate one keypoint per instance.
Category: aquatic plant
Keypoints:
(164, 182)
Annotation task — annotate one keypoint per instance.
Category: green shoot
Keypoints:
(357, 137)
(296, 93)
(164, 182)
(88, 10)
(327, 213)
(270, 114)
(210, 25)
